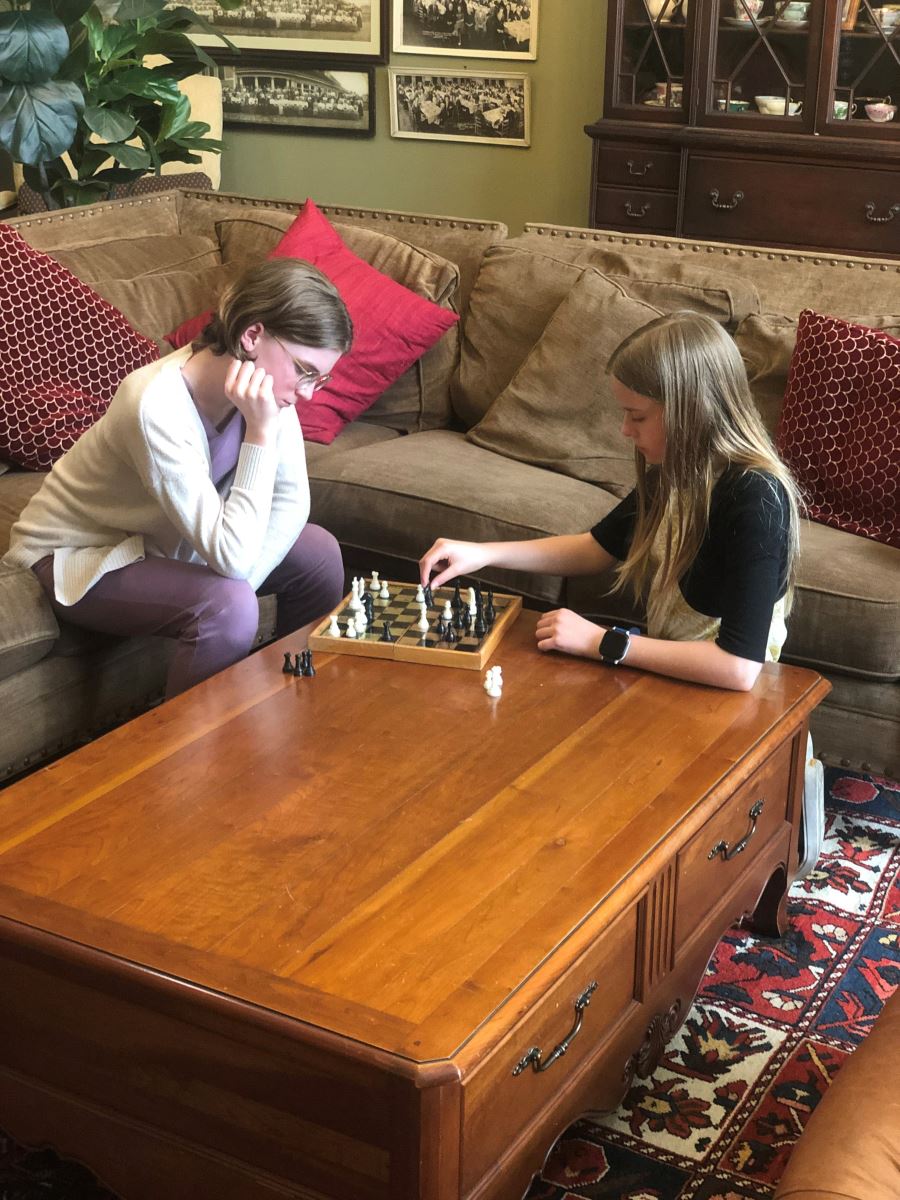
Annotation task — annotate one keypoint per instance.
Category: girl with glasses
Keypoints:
(189, 497)
(709, 534)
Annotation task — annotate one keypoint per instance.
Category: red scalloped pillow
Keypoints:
(840, 425)
(392, 326)
(63, 352)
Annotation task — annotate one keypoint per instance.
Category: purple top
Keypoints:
(224, 445)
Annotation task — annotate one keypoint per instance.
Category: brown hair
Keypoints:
(687, 363)
(290, 297)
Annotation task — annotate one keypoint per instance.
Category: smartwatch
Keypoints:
(614, 646)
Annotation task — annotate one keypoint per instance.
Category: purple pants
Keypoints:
(213, 618)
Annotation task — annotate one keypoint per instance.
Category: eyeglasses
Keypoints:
(306, 376)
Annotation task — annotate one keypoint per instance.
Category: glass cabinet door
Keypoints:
(651, 66)
(762, 61)
(866, 79)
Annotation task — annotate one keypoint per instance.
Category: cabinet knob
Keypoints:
(889, 216)
(629, 211)
(732, 203)
(631, 171)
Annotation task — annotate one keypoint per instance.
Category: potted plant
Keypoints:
(80, 110)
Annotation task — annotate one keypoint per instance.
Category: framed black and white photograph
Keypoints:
(473, 28)
(317, 28)
(286, 94)
(491, 109)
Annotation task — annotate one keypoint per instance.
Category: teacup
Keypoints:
(887, 17)
(843, 109)
(881, 112)
(732, 105)
(676, 92)
(773, 106)
(744, 9)
(795, 12)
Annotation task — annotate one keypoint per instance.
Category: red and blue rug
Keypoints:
(770, 1028)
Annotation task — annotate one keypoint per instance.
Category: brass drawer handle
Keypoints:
(738, 847)
(891, 213)
(733, 203)
(631, 171)
(645, 208)
(533, 1057)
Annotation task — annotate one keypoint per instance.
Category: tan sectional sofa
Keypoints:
(496, 433)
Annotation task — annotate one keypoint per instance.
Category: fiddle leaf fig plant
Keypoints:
(80, 110)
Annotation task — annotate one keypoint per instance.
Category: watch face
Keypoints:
(614, 645)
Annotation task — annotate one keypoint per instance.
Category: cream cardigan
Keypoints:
(138, 483)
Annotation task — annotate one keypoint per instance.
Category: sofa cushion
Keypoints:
(129, 257)
(654, 274)
(16, 489)
(156, 304)
(395, 498)
(352, 437)
(840, 425)
(558, 410)
(28, 627)
(394, 324)
(847, 605)
(766, 342)
(63, 352)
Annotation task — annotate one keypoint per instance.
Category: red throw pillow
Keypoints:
(840, 425)
(63, 352)
(392, 326)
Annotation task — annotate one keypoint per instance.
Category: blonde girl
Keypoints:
(708, 535)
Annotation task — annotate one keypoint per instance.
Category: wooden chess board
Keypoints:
(412, 644)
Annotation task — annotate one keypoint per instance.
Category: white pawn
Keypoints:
(351, 627)
(385, 593)
(334, 629)
(448, 611)
(355, 602)
(361, 620)
(422, 622)
(420, 594)
(375, 586)
(473, 603)
(489, 679)
(498, 676)
(495, 691)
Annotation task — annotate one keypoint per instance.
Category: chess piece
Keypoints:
(473, 603)
(369, 607)
(362, 619)
(355, 602)
(420, 595)
(334, 629)
(298, 664)
(375, 585)
(386, 635)
(479, 628)
(287, 669)
(351, 627)
(308, 669)
(447, 614)
(422, 622)
(450, 634)
(385, 593)
(489, 612)
(457, 599)
(429, 595)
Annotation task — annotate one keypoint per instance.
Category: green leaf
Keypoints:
(128, 156)
(90, 161)
(106, 9)
(78, 60)
(174, 116)
(32, 47)
(39, 120)
(108, 124)
(138, 82)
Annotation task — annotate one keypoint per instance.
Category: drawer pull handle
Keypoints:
(891, 213)
(631, 171)
(732, 203)
(533, 1057)
(645, 208)
(722, 847)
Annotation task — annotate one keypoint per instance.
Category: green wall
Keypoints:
(549, 181)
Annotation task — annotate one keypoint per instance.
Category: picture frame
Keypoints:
(493, 108)
(849, 12)
(287, 92)
(498, 29)
(317, 29)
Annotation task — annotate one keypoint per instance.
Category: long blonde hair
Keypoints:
(687, 363)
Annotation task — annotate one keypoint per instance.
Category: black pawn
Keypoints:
(489, 612)
(386, 635)
(287, 669)
(450, 634)
(457, 599)
(480, 626)
(308, 669)
(429, 596)
(369, 607)
(298, 664)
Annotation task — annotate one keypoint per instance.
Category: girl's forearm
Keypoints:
(566, 554)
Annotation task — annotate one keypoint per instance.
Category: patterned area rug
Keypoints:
(770, 1028)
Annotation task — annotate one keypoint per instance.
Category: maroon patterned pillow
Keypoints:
(840, 425)
(63, 352)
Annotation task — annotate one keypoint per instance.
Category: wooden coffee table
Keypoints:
(323, 937)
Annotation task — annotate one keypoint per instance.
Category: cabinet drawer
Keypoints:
(743, 826)
(637, 208)
(638, 166)
(780, 202)
(497, 1105)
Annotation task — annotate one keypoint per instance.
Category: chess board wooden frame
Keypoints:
(409, 647)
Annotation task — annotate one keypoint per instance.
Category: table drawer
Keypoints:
(638, 166)
(717, 856)
(781, 202)
(498, 1105)
(638, 208)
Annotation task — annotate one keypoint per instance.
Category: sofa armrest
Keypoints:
(28, 628)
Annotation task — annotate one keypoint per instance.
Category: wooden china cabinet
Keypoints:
(752, 121)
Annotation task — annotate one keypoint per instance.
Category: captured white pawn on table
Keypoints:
(493, 682)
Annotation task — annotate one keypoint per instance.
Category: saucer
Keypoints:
(739, 22)
(784, 23)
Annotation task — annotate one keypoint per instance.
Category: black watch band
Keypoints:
(614, 646)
